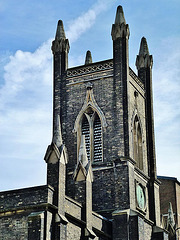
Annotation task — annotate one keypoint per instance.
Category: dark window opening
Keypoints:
(137, 144)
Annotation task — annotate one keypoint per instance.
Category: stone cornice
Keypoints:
(142, 174)
(10, 211)
(136, 78)
(91, 68)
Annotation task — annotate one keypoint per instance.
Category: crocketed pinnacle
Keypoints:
(144, 60)
(88, 58)
(120, 29)
(60, 44)
(120, 16)
(60, 33)
(143, 51)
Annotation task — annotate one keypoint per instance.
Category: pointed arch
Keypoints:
(90, 102)
(137, 137)
(90, 126)
(90, 122)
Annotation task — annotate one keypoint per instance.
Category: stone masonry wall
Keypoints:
(103, 92)
(25, 197)
(111, 188)
(14, 227)
(136, 96)
(19, 213)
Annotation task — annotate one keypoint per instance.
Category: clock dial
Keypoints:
(140, 197)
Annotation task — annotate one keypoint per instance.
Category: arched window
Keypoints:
(137, 144)
(92, 129)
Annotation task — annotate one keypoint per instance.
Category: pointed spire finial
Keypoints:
(60, 43)
(60, 33)
(144, 60)
(57, 137)
(120, 28)
(120, 16)
(88, 58)
(143, 47)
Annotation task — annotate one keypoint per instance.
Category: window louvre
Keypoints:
(97, 139)
(92, 130)
(86, 132)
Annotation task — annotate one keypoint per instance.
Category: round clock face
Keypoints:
(140, 197)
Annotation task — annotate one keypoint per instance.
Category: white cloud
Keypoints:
(86, 20)
(167, 108)
(26, 107)
(167, 84)
(25, 116)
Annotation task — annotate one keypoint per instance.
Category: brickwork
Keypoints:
(170, 192)
(76, 93)
(137, 107)
(167, 193)
(84, 198)
(25, 197)
(120, 227)
(110, 189)
(140, 229)
(14, 227)
(36, 225)
(19, 213)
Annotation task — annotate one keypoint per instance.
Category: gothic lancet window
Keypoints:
(92, 129)
(89, 122)
(137, 143)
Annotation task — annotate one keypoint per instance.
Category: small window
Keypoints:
(137, 144)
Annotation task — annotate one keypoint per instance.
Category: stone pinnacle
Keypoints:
(60, 33)
(143, 47)
(120, 16)
(88, 58)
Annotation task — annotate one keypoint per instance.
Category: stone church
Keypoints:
(101, 164)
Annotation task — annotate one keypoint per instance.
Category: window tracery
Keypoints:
(90, 122)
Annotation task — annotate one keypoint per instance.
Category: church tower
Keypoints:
(103, 152)
(101, 163)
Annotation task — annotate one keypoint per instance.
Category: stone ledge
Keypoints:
(17, 210)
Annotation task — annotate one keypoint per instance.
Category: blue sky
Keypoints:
(27, 29)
